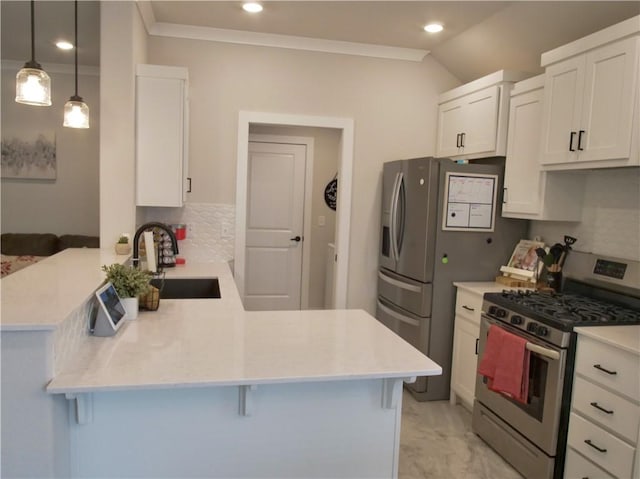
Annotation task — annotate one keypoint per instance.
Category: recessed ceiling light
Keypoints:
(433, 28)
(252, 7)
(64, 45)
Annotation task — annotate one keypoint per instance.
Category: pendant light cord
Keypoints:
(76, 40)
(33, 37)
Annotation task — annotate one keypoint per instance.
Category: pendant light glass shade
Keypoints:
(76, 111)
(33, 85)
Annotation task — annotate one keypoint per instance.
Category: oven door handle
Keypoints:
(547, 353)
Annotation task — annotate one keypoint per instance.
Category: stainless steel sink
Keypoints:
(187, 288)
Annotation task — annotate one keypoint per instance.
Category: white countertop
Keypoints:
(184, 344)
(42, 296)
(481, 287)
(201, 342)
(622, 337)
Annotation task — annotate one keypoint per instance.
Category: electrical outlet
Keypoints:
(225, 232)
(322, 220)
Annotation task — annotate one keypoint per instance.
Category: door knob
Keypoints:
(297, 239)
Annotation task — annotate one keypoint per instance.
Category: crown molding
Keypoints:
(272, 40)
(53, 68)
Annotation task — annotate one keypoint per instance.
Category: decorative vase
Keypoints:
(130, 307)
(123, 248)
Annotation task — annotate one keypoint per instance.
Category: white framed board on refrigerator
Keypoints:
(469, 202)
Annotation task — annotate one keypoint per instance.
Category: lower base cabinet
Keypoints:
(577, 466)
(604, 425)
(465, 339)
(465, 358)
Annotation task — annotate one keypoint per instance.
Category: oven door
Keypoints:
(538, 419)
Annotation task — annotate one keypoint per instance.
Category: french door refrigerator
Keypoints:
(441, 222)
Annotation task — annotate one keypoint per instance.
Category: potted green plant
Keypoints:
(129, 283)
(123, 246)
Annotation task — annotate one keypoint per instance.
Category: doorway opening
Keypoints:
(258, 121)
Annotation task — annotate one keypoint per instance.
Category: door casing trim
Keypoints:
(345, 175)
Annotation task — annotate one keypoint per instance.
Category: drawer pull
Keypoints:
(597, 366)
(589, 443)
(597, 406)
(468, 308)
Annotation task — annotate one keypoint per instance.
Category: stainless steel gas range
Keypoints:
(596, 291)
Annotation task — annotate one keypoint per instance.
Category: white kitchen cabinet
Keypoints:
(161, 136)
(472, 119)
(604, 424)
(465, 359)
(590, 112)
(465, 339)
(529, 192)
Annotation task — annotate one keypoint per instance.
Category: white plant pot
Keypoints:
(123, 248)
(130, 307)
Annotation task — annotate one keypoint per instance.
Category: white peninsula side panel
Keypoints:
(303, 430)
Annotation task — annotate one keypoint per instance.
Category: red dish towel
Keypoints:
(505, 362)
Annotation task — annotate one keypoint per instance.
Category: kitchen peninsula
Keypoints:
(199, 388)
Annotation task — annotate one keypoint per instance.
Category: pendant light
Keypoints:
(76, 111)
(33, 85)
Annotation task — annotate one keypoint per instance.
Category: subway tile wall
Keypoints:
(610, 216)
(210, 229)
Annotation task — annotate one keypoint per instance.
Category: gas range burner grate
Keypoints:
(568, 309)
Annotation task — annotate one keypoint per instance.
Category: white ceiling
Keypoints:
(479, 38)
(53, 22)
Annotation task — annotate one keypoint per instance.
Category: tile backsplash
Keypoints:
(70, 334)
(210, 229)
(610, 216)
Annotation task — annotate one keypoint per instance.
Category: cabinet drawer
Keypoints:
(614, 412)
(614, 456)
(608, 366)
(577, 466)
(469, 305)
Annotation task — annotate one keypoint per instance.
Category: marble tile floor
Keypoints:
(436, 442)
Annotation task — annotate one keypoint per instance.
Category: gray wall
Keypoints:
(393, 105)
(70, 203)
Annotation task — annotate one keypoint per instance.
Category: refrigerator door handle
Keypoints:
(397, 315)
(399, 284)
(401, 214)
(394, 214)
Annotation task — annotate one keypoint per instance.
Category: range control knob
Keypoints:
(492, 310)
(542, 331)
(501, 313)
(532, 328)
(515, 319)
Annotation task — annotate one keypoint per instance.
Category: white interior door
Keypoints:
(275, 220)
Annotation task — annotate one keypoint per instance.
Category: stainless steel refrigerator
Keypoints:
(441, 222)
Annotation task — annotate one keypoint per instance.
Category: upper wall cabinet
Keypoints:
(529, 192)
(472, 119)
(591, 100)
(161, 136)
